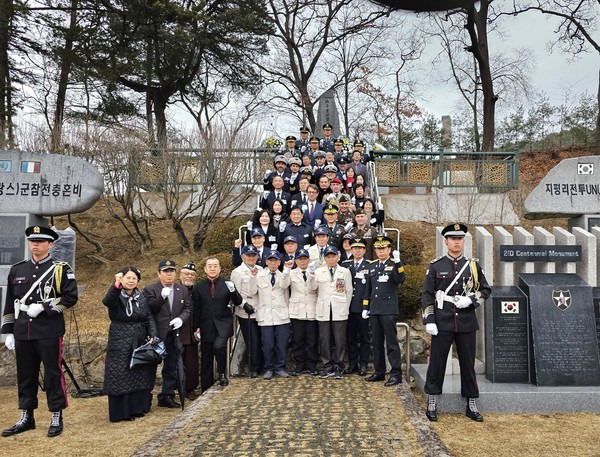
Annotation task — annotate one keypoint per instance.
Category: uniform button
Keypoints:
(457, 314)
(34, 276)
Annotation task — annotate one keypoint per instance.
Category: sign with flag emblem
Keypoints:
(510, 307)
(561, 299)
(30, 166)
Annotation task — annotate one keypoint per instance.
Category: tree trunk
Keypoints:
(200, 235)
(160, 106)
(6, 14)
(181, 237)
(65, 70)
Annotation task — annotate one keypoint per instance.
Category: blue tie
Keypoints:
(272, 279)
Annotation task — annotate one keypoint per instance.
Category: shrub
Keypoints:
(409, 292)
(411, 248)
(221, 235)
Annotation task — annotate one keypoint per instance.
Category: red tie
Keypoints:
(212, 289)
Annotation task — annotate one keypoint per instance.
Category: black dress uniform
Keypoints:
(359, 343)
(382, 302)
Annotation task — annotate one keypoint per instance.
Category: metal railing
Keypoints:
(482, 171)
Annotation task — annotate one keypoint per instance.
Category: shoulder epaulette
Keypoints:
(58, 262)
(373, 261)
(347, 261)
(19, 263)
(435, 260)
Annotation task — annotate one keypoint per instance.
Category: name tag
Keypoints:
(383, 278)
(388, 268)
(360, 275)
(272, 238)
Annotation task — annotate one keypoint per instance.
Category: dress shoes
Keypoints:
(191, 395)
(56, 424)
(223, 381)
(375, 377)
(474, 415)
(351, 370)
(253, 374)
(26, 422)
(362, 371)
(392, 381)
(268, 375)
(431, 415)
(281, 374)
(168, 402)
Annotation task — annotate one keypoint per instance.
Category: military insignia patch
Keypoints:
(561, 299)
(36, 229)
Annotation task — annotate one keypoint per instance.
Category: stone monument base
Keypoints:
(513, 398)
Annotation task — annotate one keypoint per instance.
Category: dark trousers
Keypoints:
(305, 336)
(251, 334)
(191, 361)
(384, 332)
(359, 343)
(29, 356)
(169, 369)
(274, 346)
(210, 351)
(438, 355)
(330, 359)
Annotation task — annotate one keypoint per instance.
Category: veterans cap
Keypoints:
(40, 233)
(319, 154)
(302, 253)
(295, 160)
(330, 169)
(455, 230)
(290, 238)
(257, 232)
(327, 126)
(358, 243)
(274, 255)
(304, 129)
(189, 266)
(249, 249)
(382, 242)
(280, 158)
(166, 264)
(321, 231)
(330, 250)
(330, 209)
(290, 138)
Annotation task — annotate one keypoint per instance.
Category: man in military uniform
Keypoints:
(302, 143)
(381, 306)
(338, 150)
(359, 343)
(290, 147)
(281, 170)
(313, 147)
(453, 288)
(39, 291)
(362, 229)
(336, 231)
(294, 164)
(326, 143)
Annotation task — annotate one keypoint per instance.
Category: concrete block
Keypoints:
(543, 237)
(586, 268)
(503, 271)
(523, 237)
(562, 236)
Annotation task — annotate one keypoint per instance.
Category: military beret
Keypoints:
(336, 179)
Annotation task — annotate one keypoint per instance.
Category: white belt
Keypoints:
(23, 307)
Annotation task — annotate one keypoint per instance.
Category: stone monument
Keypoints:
(328, 113)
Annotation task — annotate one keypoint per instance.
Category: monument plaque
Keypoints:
(563, 327)
(508, 346)
(13, 247)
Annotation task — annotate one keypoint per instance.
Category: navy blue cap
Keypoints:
(290, 238)
(249, 249)
(331, 250)
(166, 264)
(321, 231)
(257, 232)
(302, 253)
(274, 255)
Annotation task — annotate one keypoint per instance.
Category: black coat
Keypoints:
(381, 295)
(163, 314)
(212, 315)
(359, 283)
(127, 332)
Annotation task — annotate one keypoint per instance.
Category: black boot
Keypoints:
(56, 424)
(26, 422)
(223, 381)
(431, 412)
(472, 412)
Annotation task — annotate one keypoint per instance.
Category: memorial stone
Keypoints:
(328, 113)
(565, 341)
(64, 248)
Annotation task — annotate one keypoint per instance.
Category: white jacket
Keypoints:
(272, 301)
(303, 296)
(333, 294)
(315, 254)
(245, 283)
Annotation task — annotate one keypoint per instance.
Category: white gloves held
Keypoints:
(348, 226)
(282, 226)
(267, 173)
(317, 223)
(176, 323)
(249, 226)
(230, 285)
(463, 302)
(365, 313)
(431, 329)
(396, 256)
(9, 342)
(35, 309)
(165, 292)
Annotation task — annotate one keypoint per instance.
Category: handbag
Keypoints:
(148, 353)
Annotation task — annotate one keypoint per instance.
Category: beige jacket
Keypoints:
(272, 305)
(244, 283)
(303, 296)
(314, 254)
(333, 294)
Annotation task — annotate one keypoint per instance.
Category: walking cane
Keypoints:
(249, 346)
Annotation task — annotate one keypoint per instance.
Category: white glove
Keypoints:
(274, 247)
(266, 194)
(330, 197)
(312, 266)
(230, 285)
(396, 256)
(10, 342)
(286, 270)
(380, 206)
(35, 309)
(317, 223)
(348, 226)
(304, 208)
(282, 226)
(463, 302)
(373, 221)
(431, 329)
(365, 313)
(164, 293)
(249, 226)
(176, 323)
(267, 173)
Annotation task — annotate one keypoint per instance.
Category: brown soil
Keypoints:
(91, 433)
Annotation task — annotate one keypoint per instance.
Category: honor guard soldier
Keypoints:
(326, 143)
(39, 291)
(302, 143)
(290, 147)
(381, 306)
(453, 289)
(313, 147)
(338, 150)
